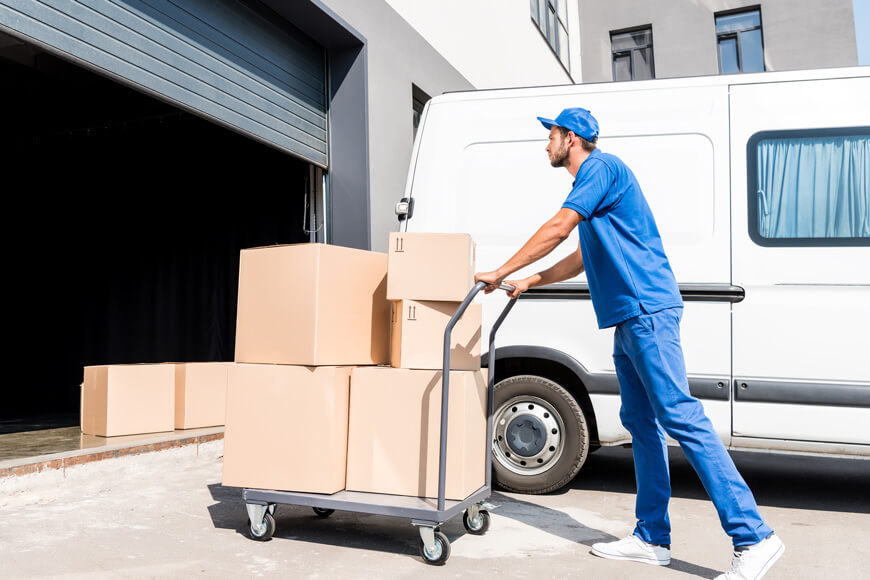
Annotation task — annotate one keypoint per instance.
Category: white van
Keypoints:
(760, 184)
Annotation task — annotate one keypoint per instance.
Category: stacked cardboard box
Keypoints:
(152, 398)
(287, 427)
(128, 399)
(307, 315)
(313, 305)
(395, 413)
(200, 394)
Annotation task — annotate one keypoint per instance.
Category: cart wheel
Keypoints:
(439, 554)
(263, 532)
(323, 512)
(477, 526)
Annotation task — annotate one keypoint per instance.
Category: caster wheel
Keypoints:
(263, 532)
(437, 556)
(477, 526)
(323, 512)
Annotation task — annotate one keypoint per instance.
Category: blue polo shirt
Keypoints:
(625, 261)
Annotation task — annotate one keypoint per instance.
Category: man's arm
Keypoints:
(566, 268)
(551, 234)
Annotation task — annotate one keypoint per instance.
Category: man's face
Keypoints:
(557, 148)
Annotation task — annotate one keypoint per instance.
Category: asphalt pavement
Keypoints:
(165, 515)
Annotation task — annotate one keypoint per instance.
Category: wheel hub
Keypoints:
(435, 552)
(259, 529)
(527, 436)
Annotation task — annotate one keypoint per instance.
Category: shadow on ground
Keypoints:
(393, 535)
(346, 529)
(563, 525)
(780, 481)
(790, 481)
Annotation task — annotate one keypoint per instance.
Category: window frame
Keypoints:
(552, 7)
(632, 51)
(736, 36)
(752, 188)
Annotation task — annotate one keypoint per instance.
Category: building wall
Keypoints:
(493, 43)
(397, 57)
(797, 34)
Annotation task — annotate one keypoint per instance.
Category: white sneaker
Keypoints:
(634, 549)
(755, 561)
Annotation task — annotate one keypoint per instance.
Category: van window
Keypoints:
(810, 188)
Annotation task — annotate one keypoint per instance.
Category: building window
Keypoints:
(810, 187)
(551, 17)
(739, 40)
(632, 52)
(418, 101)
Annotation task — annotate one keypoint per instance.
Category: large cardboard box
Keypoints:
(128, 399)
(286, 427)
(312, 304)
(395, 429)
(417, 335)
(200, 394)
(425, 266)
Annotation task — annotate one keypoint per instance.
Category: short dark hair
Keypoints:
(587, 146)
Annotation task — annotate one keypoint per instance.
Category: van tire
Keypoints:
(575, 442)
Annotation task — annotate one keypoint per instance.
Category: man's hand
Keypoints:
(492, 279)
(520, 286)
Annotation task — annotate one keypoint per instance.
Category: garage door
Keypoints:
(218, 58)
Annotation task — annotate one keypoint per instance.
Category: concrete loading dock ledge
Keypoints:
(37, 451)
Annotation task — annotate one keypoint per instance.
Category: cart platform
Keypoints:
(419, 509)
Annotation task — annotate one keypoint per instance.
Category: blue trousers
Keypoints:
(655, 398)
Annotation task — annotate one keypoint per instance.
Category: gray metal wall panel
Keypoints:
(217, 57)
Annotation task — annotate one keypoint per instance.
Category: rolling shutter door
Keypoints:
(218, 58)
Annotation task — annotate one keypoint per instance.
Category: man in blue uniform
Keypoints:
(633, 288)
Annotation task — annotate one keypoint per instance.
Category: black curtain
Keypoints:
(123, 227)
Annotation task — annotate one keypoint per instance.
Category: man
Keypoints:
(633, 288)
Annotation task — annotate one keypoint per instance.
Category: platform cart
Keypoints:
(427, 514)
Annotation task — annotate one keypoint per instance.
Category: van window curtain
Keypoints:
(816, 187)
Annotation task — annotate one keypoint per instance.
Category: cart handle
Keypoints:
(445, 385)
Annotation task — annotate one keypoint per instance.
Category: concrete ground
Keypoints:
(165, 515)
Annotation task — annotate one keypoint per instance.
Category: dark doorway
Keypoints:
(123, 224)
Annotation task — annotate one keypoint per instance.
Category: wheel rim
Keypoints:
(435, 552)
(476, 523)
(259, 529)
(528, 436)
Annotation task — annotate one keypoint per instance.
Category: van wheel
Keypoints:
(540, 435)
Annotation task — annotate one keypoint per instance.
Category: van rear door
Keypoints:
(800, 179)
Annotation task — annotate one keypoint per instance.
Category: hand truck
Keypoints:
(427, 515)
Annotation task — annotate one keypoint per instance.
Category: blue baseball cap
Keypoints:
(575, 119)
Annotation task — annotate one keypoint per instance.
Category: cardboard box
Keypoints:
(426, 266)
(200, 394)
(395, 429)
(312, 304)
(417, 335)
(128, 399)
(286, 427)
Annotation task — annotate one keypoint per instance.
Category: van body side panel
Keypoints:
(481, 168)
